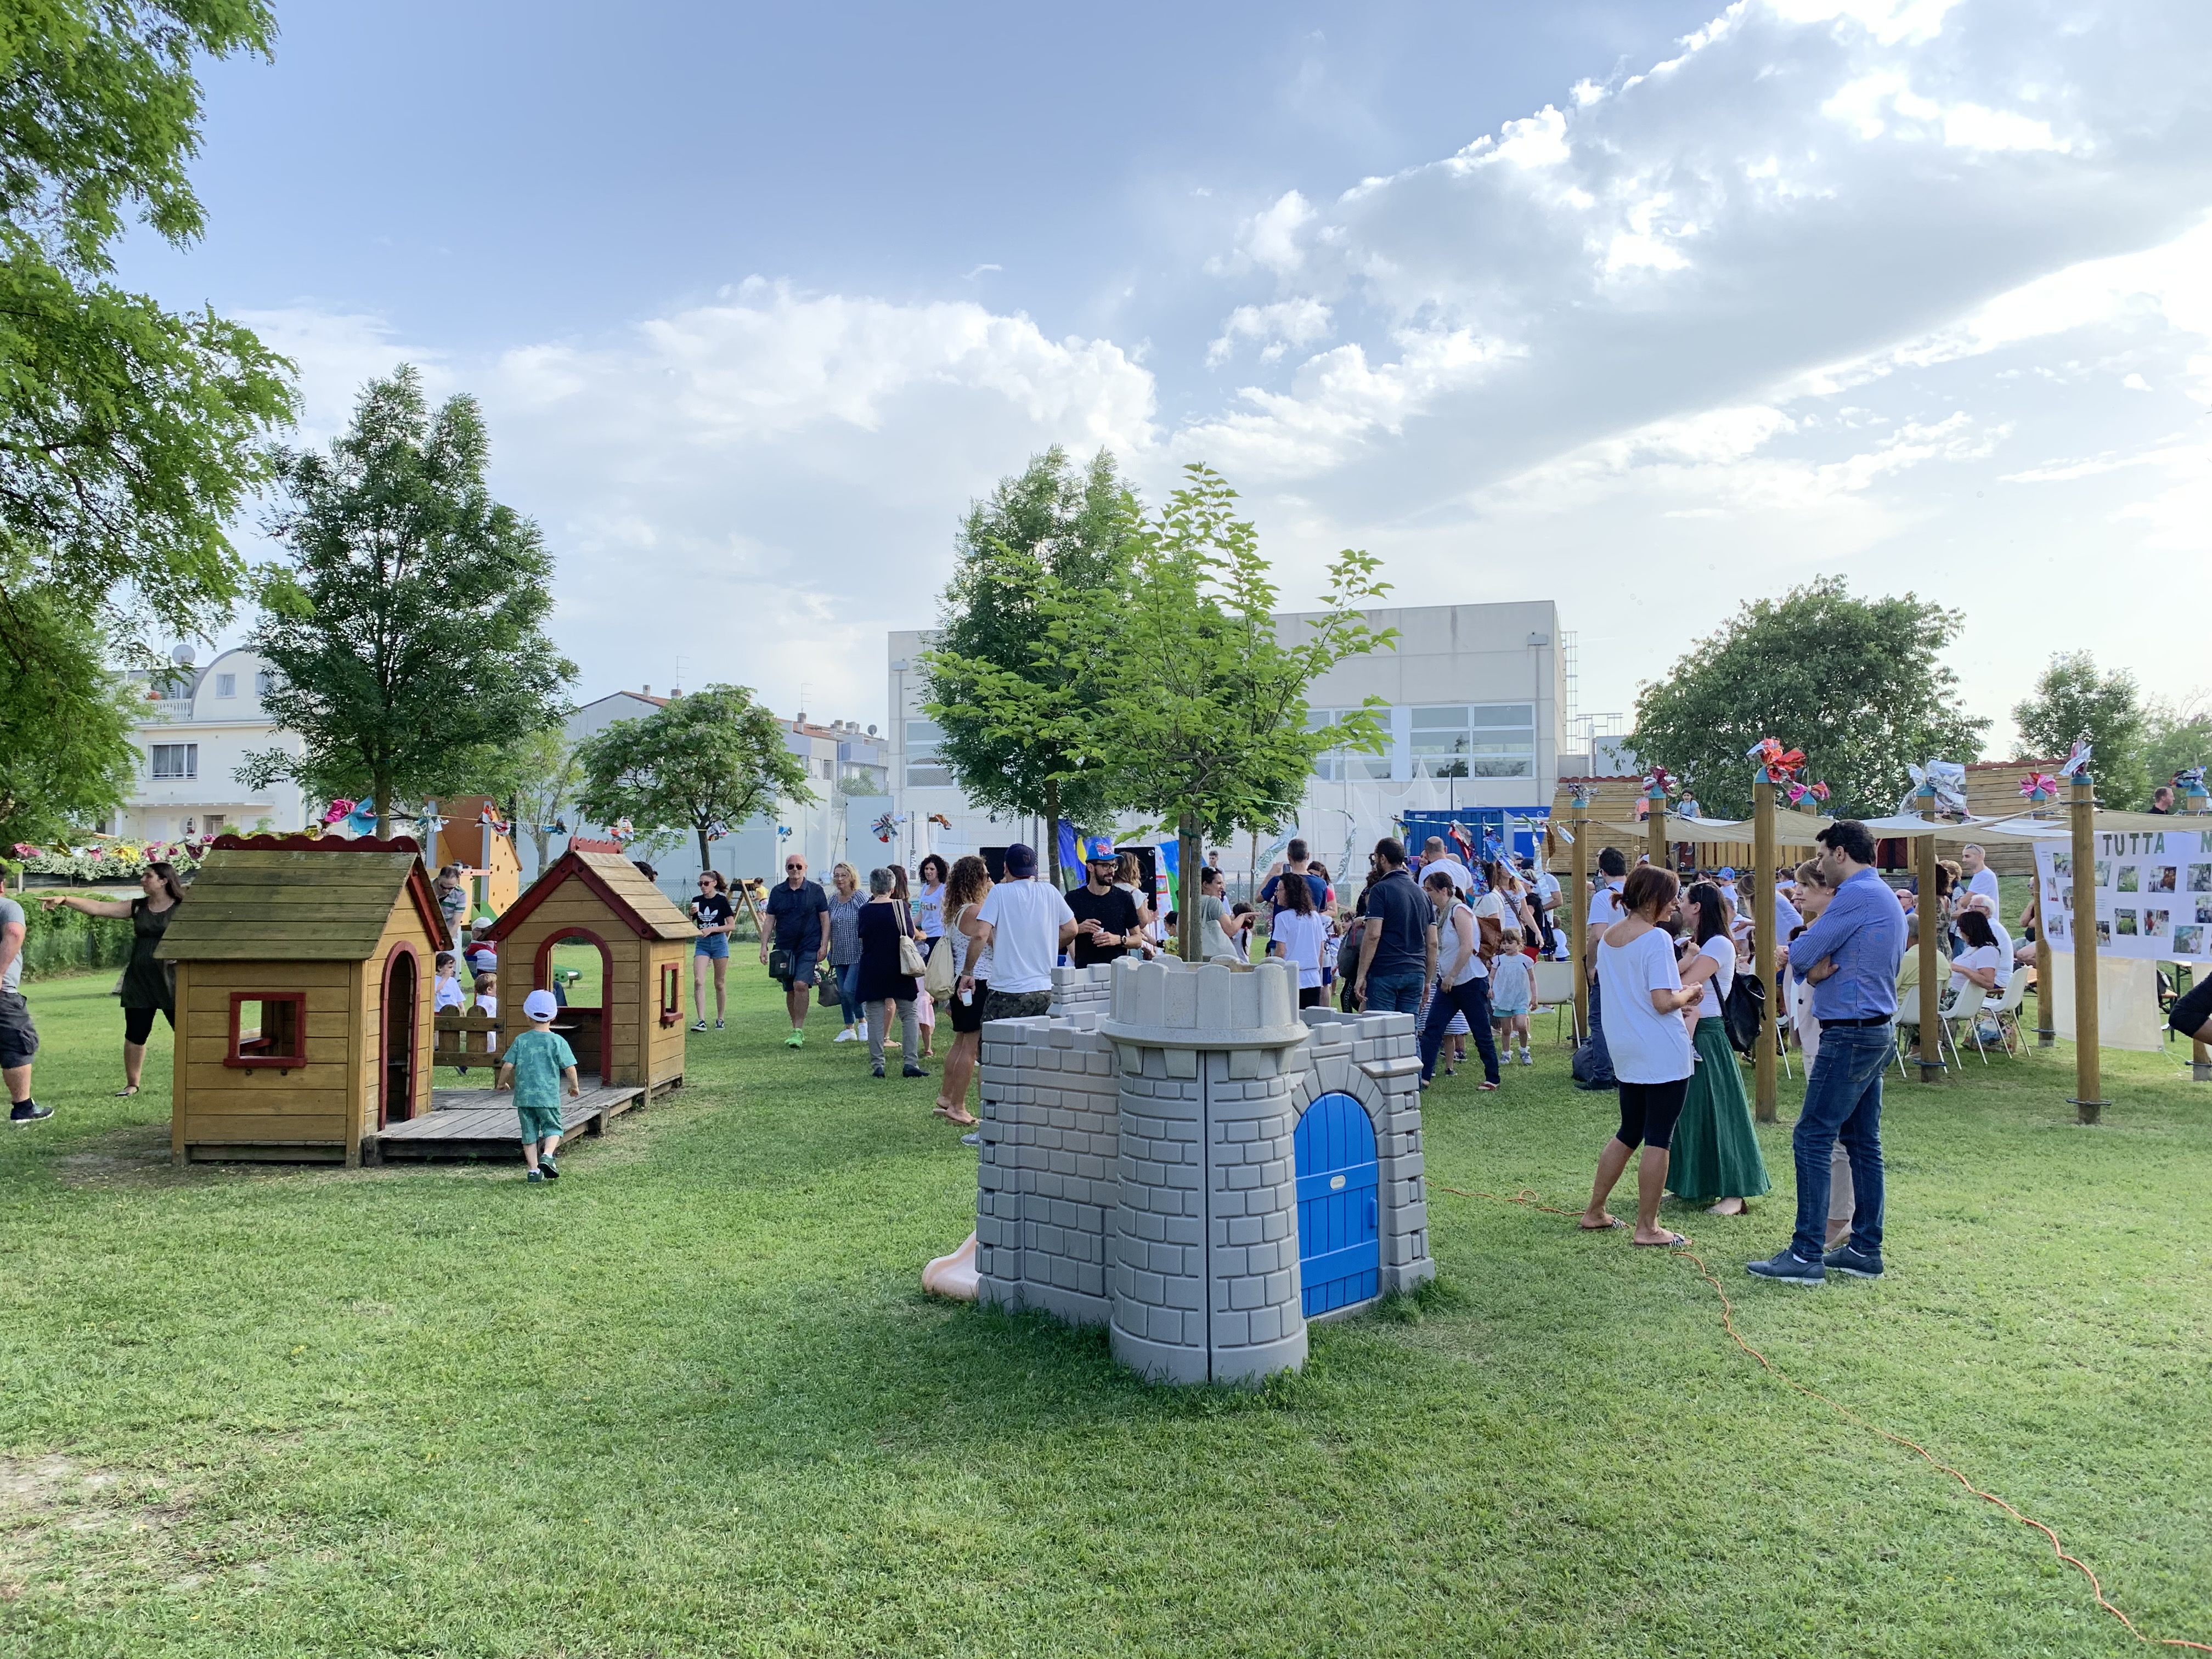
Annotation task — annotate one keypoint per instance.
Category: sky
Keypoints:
(1647, 308)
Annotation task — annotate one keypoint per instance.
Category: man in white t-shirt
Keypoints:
(1974, 865)
(1545, 894)
(1022, 924)
(1435, 855)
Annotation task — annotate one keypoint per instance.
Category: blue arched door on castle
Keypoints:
(1340, 1248)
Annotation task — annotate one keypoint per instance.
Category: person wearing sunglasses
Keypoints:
(799, 910)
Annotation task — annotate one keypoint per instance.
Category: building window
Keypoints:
(211, 825)
(1348, 765)
(267, 1029)
(1476, 740)
(924, 770)
(264, 683)
(226, 685)
(176, 760)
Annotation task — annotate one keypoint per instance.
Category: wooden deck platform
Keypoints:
(480, 1123)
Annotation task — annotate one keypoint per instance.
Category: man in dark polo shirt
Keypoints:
(1107, 924)
(1396, 946)
(799, 911)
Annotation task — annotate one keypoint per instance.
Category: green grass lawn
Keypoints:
(689, 1400)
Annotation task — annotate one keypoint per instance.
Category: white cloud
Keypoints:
(1285, 324)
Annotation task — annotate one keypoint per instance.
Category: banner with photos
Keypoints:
(2153, 895)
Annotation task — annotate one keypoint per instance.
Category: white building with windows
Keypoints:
(1476, 712)
(200, 725)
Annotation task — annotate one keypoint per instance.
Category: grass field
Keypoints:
(689, 1400)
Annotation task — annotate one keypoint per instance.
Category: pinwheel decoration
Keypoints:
(2191, 784)
(1939, 788)
(1659, 783)
(2037, 787)
(336, 812)
(1462, 843)
(2077, 759)
(883, 828)
(622, 830)
(1780, 764)
(940, 821)
(783, 832)
(1799, 793)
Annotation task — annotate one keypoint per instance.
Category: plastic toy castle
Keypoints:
(1183, 1155)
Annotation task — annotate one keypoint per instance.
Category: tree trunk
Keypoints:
(1052, 827)
(1189, 887)
(380, 784)
(705, 863)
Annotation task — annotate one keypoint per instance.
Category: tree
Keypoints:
(66, 756)
(405, 632)
(1201, 708)
(2071, 697)
(1050, 526)
(538, 780)
(708, 763)
(2176, 736)
(129, 435)
(1859, 685)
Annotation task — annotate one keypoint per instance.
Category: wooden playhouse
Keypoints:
(634, 1036)
(303, 975)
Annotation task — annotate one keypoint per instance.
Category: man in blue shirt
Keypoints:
(799, 910)
(1395, 947)
(1849, 957)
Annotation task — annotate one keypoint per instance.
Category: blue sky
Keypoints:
(1646, 308)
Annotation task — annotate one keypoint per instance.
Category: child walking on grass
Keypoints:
(537, 1064)
(1512, 993)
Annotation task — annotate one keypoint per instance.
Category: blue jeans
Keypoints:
(1395, 993)
(1601, 1057)
(1842, 1101)
(848, 991)
(1473, 999)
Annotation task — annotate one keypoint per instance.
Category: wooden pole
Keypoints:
(1763, 944)
(1577, 917)
(2088, 1080)
(1931, 933)
(1654, 830)
(2046, 1018)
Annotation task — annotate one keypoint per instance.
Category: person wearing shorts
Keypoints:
(1652, 1057)
(535, 1066)
(798, 911)
(19, 1037)
(716, 919)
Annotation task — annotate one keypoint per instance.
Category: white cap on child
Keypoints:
(540, 1005)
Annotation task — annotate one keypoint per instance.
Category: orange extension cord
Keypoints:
(1527, 1197)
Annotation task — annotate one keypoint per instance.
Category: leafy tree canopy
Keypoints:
(66, 758)
(706, 764)
(2178, 736)
(2072, 697)
(129, 435)
(1055, 527)
(405, 628)
(1860, 685)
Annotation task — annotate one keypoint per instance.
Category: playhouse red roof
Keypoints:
(618, 883)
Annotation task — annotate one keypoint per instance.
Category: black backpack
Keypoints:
(1744, 1014)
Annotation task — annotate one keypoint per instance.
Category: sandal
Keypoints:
(1672, 1242)
(126, 1091)
(1613, 1224)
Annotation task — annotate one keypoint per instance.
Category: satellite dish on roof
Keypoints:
(182, 654)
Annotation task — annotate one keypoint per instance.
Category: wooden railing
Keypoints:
(465, 1040)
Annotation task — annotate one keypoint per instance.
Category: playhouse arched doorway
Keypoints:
(575, 964)
(1339, 1242)
(400, 1027)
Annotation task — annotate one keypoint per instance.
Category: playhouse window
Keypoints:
(267, 1029)
(671, 993)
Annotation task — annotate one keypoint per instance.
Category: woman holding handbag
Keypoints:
(956, 955)
(888, 971)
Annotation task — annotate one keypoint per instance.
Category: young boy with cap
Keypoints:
(536, 1063)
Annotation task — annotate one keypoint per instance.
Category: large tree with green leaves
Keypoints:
(1051, 527)
(1859, 685)
(66, 756)
(706, 764)
(2071, 698)
(406, 626)
(2177, 735)
(129, 435)
(1196, 714)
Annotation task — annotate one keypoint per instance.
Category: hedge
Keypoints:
(64, 941)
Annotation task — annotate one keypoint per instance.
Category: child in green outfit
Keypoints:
(536, 1064)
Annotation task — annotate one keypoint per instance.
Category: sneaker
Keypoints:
(535, 1175)
(1789, 1268)
(912, 1071)
(1589, 1088)
(875, 1071)
(848, 1034)
(1486, 1087)
(796, 1040)
(548, 1167)
(1528, 1059)
(28, 1113)
(973, 1137)
(717, 1024)
(1855, 1263)
(700, 1026)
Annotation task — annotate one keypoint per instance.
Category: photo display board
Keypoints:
(2154, 894)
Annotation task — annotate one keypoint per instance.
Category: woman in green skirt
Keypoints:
(1715, 1159)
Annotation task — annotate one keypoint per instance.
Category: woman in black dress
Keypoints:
(148, 987)
(883, 921)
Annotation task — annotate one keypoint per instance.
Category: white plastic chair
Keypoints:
(2004, 1007)
(1555, 989)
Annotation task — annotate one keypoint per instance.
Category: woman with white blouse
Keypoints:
(1715, 1158)
(1651, 1047)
